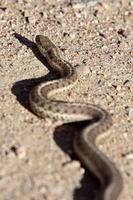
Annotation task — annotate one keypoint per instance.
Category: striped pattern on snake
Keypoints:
(43, 105)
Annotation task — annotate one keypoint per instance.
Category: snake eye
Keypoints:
(50, 54)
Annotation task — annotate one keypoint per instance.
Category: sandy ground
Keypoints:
(38, 163)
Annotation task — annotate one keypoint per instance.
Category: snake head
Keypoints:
(46, 47)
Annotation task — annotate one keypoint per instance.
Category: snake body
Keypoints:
(44, 105)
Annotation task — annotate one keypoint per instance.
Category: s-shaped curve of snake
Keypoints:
(43, 105)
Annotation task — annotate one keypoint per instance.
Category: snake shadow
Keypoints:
(63, 135)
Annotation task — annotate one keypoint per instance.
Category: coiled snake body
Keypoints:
(43, 105)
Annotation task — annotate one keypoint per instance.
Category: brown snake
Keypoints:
(43, 104)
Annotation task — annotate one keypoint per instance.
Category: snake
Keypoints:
(44, 104)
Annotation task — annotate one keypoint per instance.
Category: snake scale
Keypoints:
(42, 103)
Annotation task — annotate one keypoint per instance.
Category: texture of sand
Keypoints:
(38, 163)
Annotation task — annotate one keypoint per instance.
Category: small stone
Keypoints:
(131, 113)
(129, 155)
(32, 19)
(72, 35)
(118, 88)
(21, 152)
(43, 190)
(74, 165)
(82, 171)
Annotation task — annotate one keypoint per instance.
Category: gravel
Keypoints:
(38, 162)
